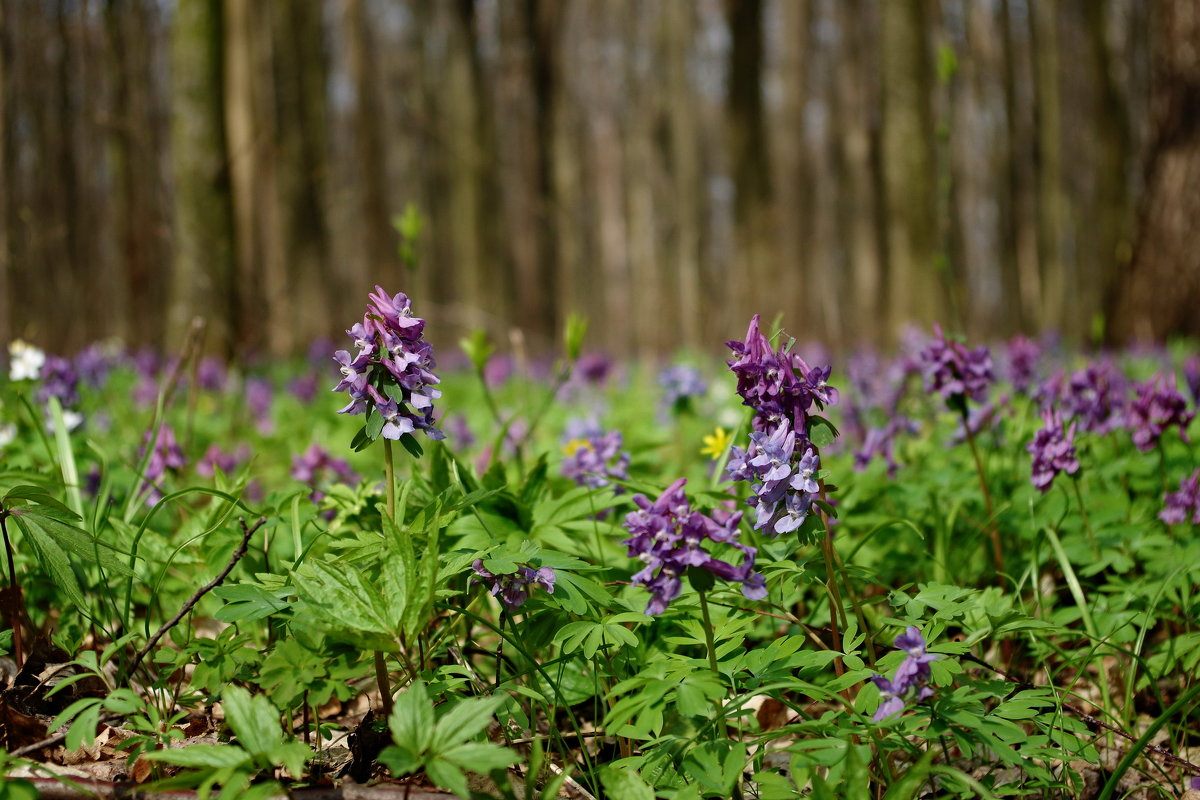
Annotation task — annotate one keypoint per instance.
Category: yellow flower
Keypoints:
(575, 445)
(716, 443)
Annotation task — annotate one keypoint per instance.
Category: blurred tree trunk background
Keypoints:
(666, 167)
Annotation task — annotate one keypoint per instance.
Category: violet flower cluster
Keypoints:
(391, 372)
(318, 470)
(513, 588)
(1179, 507)
(1157, 407)
(668, 535)
(595, 457)
(167, 455)
(781, 464)
(1053, 450)
(955, 372)
(1023, 354)
(680, 383)
(1095, 396)
(911, 677)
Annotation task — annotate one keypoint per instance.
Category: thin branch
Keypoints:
(237, 556)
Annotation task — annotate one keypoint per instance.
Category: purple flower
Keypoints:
(211, 375)
(1095, 396)
(1179, 506)
(681, 383)
(1157, 406)
(259, 395)
(1053, 451)
(390, 353)
(303, 388)
(911, 676)
(59, 379)
(93, 364)
(1023, 355)
(513, 587)
(667, 535)
(955, 372)
(167, 455)
(215, 458)
(319, 470)
(595, 459)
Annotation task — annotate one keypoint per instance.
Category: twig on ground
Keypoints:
(237, 556)
(1157, 750)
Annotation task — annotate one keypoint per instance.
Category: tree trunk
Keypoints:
(909, 162)
(204, 279)
(1160, 293)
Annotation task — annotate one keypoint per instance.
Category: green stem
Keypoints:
(381, 671)
(1087, 525)
(712, 657)
(15, 592)
(993, 531)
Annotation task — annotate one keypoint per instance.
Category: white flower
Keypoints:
(25, 361)
(8, 432)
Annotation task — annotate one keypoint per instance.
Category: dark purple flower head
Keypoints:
(1179, 507)
(667, 535)
(259, 396)
(391, 371)
(59, 379)
(1096, 397)
(93, 364)
(1156, 407)
(594, 368)
(211, 375)
(215, 458)
(777, 384)
(1053, 450)
(319, 470)
(955, 372)
(513, 587)
(1023, 355)
(167, 455)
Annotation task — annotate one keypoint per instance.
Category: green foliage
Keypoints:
(444, 747)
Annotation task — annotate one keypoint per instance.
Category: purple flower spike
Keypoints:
(1179, 506)
(911, 678)
(1053, 451)
(668, 537)
(955, 372)
(389, 351)
(513, 588)
(1157, 407)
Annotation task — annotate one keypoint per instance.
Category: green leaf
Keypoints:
(374, 425)
(464, 721)
(400, 760)
(625, 783)
(821, 431)
(51, 557)
(447, 776)
(202, 755)
(411, 722)
(411, 444)
(481, 757)
(253, 719)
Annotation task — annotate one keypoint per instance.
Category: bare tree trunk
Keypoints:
(6, 297)
(753, 266)
(910, 167)
(205, 266)
(370, 157)
(678, 29)
(1160, 293)
(1051, 200)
